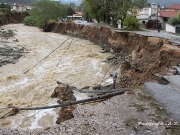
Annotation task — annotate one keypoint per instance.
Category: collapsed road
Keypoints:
(137, 62)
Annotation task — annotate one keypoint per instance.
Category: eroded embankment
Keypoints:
(149, 55)
(32, 63)
(12, 18)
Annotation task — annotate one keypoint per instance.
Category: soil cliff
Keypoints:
(12, 18)
(149, 55)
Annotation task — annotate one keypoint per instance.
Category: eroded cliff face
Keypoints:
(12, 18)
(149, 55)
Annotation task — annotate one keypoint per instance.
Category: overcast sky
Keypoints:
(162, 2)
(77, 2)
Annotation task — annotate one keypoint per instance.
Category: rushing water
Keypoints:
(80, 65)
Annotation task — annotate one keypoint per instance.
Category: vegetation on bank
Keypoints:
(44, 11)
(7, 16)
(132, 23)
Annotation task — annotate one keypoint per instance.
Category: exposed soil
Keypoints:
(136, 58)
(12, 18)
(149, 55)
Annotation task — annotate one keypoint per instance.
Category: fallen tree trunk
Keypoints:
(73, 102)
(91, 91)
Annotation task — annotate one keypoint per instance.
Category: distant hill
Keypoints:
(18, 1)
(165, 2)
(77, 2)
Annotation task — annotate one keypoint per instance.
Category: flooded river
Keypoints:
(81, 64)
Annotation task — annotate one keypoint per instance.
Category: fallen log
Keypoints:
(73, 102)
(91, 91)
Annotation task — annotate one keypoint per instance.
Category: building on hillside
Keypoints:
(154, 8)
(19, 7)
(174, 7)
(163, 16)
(155, 12)
(147, 13)
(170, 11)
(77, 15)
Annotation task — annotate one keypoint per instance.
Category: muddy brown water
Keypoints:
(80, 65)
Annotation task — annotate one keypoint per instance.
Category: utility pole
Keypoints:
(157, 9)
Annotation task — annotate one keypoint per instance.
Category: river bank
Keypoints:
(135, 112)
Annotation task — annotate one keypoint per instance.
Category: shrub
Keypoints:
(51, 21)
(43, 11)
(173, 21)
(28, 20)
(132, 23)
(41, 21)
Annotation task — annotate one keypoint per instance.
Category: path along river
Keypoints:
(80, 65)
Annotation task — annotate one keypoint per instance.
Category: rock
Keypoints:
(155, 40)
(15, 40)
(125, 66)
(111, 58)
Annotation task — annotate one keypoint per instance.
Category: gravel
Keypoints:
(104, 118)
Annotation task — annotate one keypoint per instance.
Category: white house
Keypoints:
(147, 13)
(77, 15)
(18, 7)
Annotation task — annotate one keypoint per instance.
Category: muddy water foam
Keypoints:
(80, 65)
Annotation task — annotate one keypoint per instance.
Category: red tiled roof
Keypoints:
(168, 13)
(17, 5)
(20, 5)
(174, 6)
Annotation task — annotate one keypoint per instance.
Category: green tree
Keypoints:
(45, 10)
(5, 6)
(107, 10)
(173, 21)
(94, 9)
(132, 23)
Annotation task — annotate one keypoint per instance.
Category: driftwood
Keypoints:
(91, 91)
(73, 102)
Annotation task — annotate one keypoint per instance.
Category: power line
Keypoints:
(105, 74)
(31, 117)
(65, 51)
(72, 102)
(48, 54)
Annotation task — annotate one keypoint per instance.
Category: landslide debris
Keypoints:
(64, 94)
